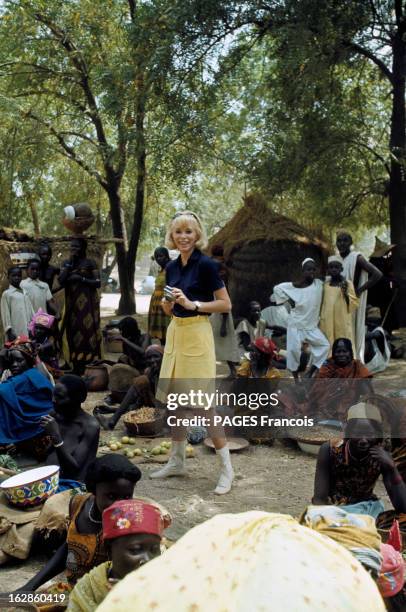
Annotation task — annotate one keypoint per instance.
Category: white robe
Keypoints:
(303, 321)
(358, 317)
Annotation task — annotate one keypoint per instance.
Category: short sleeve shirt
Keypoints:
(198, 280)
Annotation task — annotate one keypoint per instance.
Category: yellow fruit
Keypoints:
(131, 440)
(125, 439)
(190, 451)
(113, 447)
(156, 450)
(137, 452)
(164, 450)
(130, 454)
(119, 445)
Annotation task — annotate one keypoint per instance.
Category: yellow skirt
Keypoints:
(189, 355)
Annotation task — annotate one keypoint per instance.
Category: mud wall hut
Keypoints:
(262, 249)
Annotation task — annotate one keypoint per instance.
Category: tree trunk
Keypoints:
(397, 184)
(140, 189)
(34, 214)
(127, 299)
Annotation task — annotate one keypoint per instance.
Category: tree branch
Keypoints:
(368, 54)
(67, 150)
(79, 64)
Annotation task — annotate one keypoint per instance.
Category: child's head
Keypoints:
(45, 253)
(309, 269)
(14, 276)
(334, 267)
(33, 269)
(111, 478)
(161, 256)
(254, 311)
(132, 531)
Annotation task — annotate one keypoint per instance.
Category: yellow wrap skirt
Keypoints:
(189, 357)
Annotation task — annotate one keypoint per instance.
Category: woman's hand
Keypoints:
(167, 306)
(180, 298)
(51, 427)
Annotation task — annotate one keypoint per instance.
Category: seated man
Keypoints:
(250, 328)
(74, 433)
(348, 469)
(142, 391)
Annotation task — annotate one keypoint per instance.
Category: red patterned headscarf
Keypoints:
(129, 516)
(265, 345)
(25, 346)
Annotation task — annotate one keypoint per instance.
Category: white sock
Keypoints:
(226, 471)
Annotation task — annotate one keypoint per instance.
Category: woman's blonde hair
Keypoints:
(189, 218)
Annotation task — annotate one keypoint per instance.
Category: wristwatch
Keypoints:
(198, 305)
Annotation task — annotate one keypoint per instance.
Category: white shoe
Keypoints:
(176, 462)
(226, 472)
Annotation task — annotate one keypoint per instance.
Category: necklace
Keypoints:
(89, 514)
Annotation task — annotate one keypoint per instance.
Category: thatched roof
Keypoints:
(256, 221)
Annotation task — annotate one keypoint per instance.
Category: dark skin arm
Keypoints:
(71, 458)
(374, 275)
(322, 477)
(392, 480)
(244, 339)
(55, 566)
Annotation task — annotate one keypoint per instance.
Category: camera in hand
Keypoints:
(168, 294)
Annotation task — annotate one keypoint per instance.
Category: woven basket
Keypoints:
(148, 428)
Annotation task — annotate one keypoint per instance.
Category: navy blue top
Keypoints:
(198, 280)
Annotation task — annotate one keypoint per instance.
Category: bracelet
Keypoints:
(57, 445)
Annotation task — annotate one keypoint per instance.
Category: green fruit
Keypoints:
(125, 439)
(164, 450)
(131, 441)
(156, 450)
(137, 452)
(131, 454)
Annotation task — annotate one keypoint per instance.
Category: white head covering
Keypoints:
(335, 258)
(305, 261)
(363, 410)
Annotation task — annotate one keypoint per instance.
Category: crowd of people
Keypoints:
(313, 331)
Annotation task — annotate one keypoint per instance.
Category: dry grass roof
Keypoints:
(256, 221)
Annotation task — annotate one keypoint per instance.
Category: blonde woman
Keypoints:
(196, 290)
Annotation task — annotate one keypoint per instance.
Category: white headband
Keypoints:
(336, 258)
(305, 261)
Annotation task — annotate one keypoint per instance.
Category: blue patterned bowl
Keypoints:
(32, 487)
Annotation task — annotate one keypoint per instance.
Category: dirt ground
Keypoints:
(275, 479)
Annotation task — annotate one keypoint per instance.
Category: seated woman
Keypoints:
(142, 391)
(74, 433)
(132, 531)
(109, 478)
(25, 397)
(330, 399)
(262, 353)
(42, 335)
(348, 469)
(131, 363)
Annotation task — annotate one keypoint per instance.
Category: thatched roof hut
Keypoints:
(262, 249)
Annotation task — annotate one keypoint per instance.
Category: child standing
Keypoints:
(339, 303)
(39, 292)
(16, 308)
